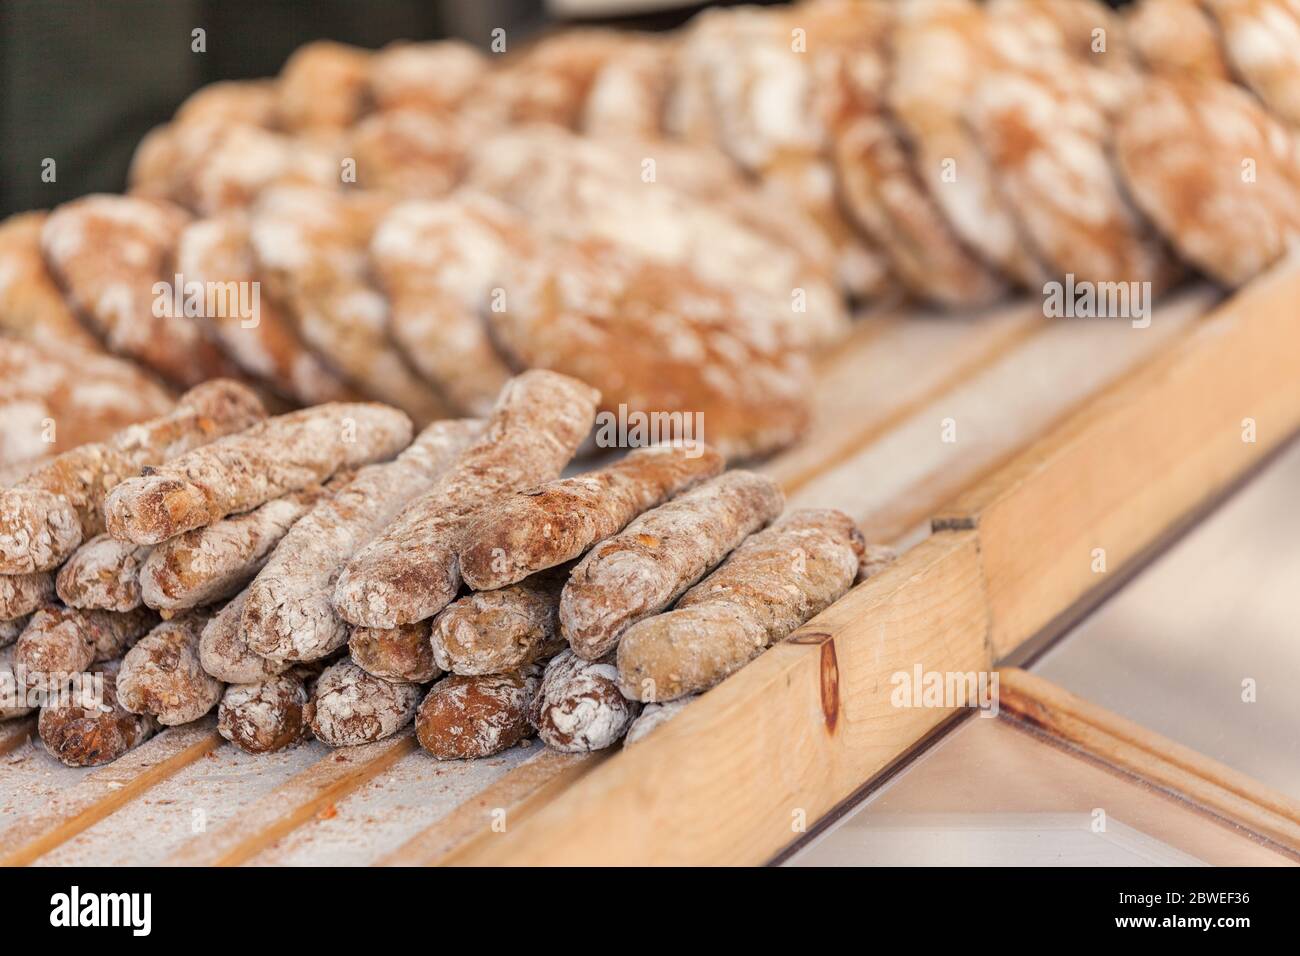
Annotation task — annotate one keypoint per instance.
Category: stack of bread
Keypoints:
(679, 220)
(329, 573)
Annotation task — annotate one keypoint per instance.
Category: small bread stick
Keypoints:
(771, 584)
(537, 529)
(492, 632)
(351, 707)
(653, 715)
(162, 674)
(269, 716)
(410, 571)
(15, 700)
(92, 727)
(646, 566)
(289, 614)
(103, 573)
(10, 629)
(467, 717)
(239, 472)
(578, 707)
(399, 653)
(47, 514)
(20, 594)
(61, 642)
(225, 654)
(215, 561)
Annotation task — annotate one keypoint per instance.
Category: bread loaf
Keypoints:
(644, 568)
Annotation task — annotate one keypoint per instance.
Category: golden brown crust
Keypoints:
(323, 86)
(20, 594)
(1262, 38)
(769, 586)
(110, 253)
(546, 526)
(644, 568)
(32, 306)
(53, 400)
(1216, 172)
(92, 728)
(657, 342)
(399, 653)
(434, 78)
(1176, 38)
(237, 473)
(410, 571)
(53, 509)
(492, 632)
(467, 717)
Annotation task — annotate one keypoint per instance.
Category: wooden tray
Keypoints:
(1069, 435)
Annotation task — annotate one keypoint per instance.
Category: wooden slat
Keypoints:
(294, 803)
(891, 366)
(1134, 749)
(105, 790)
(507, 802)
(784, 740)
(906, 474)
(1123, 469)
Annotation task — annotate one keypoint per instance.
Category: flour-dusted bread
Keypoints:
(109, 253)
(579, 707)
(32, 306)
(268, 716)
(162, 674)
(290, 614)
(645, 567)
(410, 572)
(351, 707)
(103, 573)
(224, 651)
(59, 643)
(657, 340)
(556, 522)
(1262, 38)
(492, 632)
(323, 86)
(401, 653)
(237, 473)
(1216, 172)
(770, 585)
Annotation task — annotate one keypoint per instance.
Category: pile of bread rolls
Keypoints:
(676, 219)
(331, 573)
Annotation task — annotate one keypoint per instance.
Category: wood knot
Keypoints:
(809, 637)
(830, 685)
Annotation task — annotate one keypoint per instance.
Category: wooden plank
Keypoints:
(1125, 467)
(496, 808)
(731, 778)
(308, 793)
(906, 474)
(1134, 749)
(105, 790)
(889, 367)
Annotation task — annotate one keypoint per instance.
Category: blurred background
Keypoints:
(83, 80)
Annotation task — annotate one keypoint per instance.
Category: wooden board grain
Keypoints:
(736, 776)
(1134, 749)
(1113, 476)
